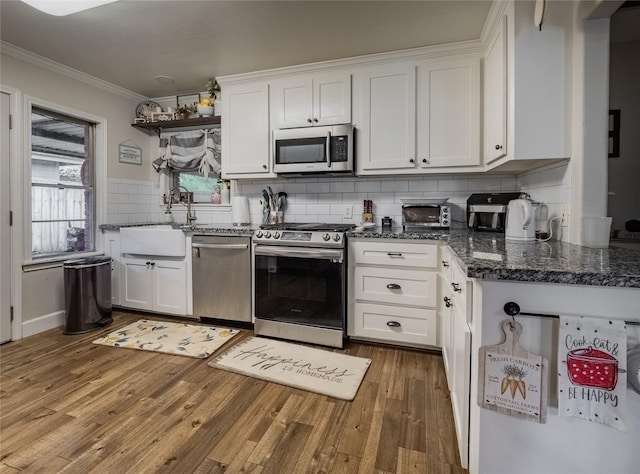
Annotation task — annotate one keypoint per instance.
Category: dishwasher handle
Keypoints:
(219, 246)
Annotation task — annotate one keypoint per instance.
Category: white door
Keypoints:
(449, 113)
(291, 103)
(495, 97)
(245, 136)
(138, 283)
(170, 286)
(331, 99)
(389, 125)
(5, 229)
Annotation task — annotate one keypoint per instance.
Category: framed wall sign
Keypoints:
(129, 152)
(161, 116)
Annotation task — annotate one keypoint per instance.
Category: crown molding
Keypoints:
(449, 50)
(497, 10)
(45, 63)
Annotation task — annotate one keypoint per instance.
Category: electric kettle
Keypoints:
(521, 223)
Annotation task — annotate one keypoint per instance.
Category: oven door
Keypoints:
(301, 286)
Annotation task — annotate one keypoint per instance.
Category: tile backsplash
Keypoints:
(331, 199)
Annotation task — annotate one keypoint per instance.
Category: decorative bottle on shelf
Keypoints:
(215, 195)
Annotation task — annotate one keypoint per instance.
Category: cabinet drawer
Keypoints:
(396, 286)
(420, 255)
(395, 323)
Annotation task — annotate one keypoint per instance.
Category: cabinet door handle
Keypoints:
(309, 120)
(412, 160)
(424, 160)
(394, 254)
(447, 302)
(445, 263)
(393, 324)
(498, 147)
(264, 167)
(315, 120)
(456, 287)
(153, 264)
(394, 286)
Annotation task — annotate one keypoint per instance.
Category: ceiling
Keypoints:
(130, 42)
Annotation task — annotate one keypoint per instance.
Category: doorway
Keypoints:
(5, 229)
(624, 98)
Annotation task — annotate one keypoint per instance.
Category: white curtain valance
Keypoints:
(195, 150)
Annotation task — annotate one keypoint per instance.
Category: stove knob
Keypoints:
(267, 234)
(325, 237)
(259, 234)
(276, 235)
(336, 237)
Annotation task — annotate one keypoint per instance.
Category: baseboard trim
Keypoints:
(42, 323)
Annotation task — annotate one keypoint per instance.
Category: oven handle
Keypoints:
(219, 246)
(294, 252)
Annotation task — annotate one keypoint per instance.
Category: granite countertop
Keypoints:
(213, 229)
(488, 256)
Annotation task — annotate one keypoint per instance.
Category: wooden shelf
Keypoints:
(192, 122)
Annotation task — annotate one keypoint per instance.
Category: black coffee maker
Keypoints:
(488, 211)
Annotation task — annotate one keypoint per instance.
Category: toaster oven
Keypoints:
(420, 215)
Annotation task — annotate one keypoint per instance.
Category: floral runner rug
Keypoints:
(171, 338)
(316, 370)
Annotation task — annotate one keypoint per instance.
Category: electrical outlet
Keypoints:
(348, 212)
(564, 216)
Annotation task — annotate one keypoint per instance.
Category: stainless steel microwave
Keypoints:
(327, 149)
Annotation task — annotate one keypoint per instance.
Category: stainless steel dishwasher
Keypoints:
(221, 277)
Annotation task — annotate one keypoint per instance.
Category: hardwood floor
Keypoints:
(67, 405)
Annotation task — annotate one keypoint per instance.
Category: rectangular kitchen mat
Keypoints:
(316, 370)
(170, 338)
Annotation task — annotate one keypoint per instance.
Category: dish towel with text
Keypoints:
(592, 381)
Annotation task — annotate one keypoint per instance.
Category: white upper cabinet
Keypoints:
(386, 134)
(418, 117)
(245, 131)
(527, 86)
(323, 99)
(448, 127)
(495, 95)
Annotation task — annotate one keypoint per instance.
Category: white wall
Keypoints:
(550, 186)
(624, 94)
(40, 78)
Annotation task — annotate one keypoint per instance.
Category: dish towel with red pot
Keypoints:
(592, 381)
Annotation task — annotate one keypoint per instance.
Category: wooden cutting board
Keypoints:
(511, 380)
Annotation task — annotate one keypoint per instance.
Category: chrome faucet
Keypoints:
(190, 216)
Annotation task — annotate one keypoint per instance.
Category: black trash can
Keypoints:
(87, 294)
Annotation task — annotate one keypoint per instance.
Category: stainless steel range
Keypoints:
(300, 273)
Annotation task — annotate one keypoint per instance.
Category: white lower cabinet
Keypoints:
(393, 292)
(112, 249)
(454, 315)
(154, 284)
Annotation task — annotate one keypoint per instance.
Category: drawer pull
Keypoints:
(456, 287)
(447, 302)
(394, 286)
(393, 324)
(445, 263)
(394, 254)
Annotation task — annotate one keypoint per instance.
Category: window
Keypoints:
(62, 184)
(194, 182)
